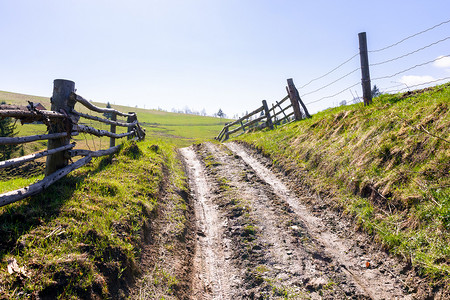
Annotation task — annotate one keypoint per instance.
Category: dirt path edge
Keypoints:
(321, 202)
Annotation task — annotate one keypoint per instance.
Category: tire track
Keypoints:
(372, 282)
(213, 276)
(291, 266)
(255, 240)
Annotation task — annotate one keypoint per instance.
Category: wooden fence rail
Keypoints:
(62, 124)
(269, 117)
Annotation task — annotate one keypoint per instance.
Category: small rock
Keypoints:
(316, 283)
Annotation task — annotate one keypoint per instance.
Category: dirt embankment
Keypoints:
(255, 239)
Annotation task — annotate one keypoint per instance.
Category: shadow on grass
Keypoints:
(21, 217)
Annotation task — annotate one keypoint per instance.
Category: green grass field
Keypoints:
(179, 129)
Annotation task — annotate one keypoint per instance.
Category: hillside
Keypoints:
(387, 166)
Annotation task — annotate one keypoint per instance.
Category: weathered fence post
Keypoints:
(267, 113)
(296, 100)
(226, 134)
(131, 119)
(112, 141)
(365, 80)
(60, 103)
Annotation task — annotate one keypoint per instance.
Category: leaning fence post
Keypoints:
(112, 141)
(267, 113)
(296, 100)
(365, 80)
(60, 102)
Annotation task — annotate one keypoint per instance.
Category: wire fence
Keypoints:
(325, 87)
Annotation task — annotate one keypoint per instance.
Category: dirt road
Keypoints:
(256, 239)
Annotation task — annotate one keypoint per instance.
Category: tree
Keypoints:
(375, 91)
(220, 113)
(107, 114)
(187, 110)
(7, 129)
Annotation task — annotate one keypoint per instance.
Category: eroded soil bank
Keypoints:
(256, 239)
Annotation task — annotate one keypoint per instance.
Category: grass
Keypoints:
(17, 183)
(83, 235)
(387, 164)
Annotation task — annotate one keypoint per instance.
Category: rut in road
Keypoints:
(213, 275)
(256, 240)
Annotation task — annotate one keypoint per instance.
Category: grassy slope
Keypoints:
(83, 236)
(388, 164)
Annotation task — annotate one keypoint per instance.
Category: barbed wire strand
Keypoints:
(331, 83)
(394, 86)
(409, 37)
(411, 68)
(410, 53)
(380, 63)
(328, 73)
(416, 85)
(331, 96)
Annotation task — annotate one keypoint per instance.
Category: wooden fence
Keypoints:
(263, 117)
(62, 124)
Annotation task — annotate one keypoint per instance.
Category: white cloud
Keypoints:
(442, 62)
(410, 80)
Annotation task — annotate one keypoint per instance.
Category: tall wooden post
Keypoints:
(112, 141)
(60, 102)
(267, 113)
(296, 100)
(365, 80)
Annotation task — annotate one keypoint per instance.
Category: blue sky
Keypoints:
(211, 54)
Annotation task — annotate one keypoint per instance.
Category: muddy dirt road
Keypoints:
(255, 239)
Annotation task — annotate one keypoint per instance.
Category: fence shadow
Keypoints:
(20, 218)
